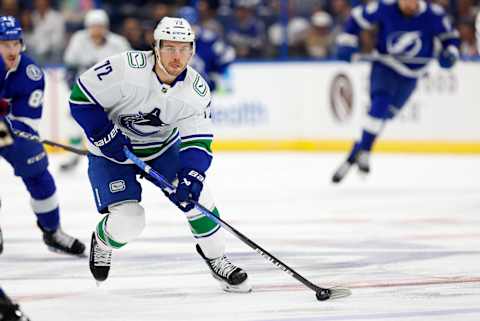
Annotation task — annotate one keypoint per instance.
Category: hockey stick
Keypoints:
(320, 293)
(37, 138)
(375, 56)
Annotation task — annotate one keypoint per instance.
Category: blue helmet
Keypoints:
(10, 28)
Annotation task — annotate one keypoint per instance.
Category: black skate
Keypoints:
(357, 157)
(60, 242)
(10, 311)
(100, 259)
(231, 277)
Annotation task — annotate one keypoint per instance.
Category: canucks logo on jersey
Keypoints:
(141, 122)
(404, 44)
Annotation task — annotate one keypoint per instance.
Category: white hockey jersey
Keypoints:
(82, 53)
(152, 114)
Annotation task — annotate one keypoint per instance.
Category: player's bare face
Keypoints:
(175, 56)
(408, 7)
(10, 50)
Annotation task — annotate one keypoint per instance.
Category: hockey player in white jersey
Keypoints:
(158, 107)
(85, 49)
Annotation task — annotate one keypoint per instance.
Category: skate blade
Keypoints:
(338, 293)
(55, 250)
(243, 287)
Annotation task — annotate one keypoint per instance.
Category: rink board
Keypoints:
(314, 106)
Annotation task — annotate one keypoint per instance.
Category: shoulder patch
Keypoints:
(137, 59)
(437, 9)
(33, 72)
(200, 86)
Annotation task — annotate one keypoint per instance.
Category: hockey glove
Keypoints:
(448, 57)
(4, 107)
(111, 141)
(190, 185)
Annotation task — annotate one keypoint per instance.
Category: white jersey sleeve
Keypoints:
(102, 83)
(196, 118)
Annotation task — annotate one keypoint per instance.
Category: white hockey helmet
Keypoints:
(173, 29)
(96, 17)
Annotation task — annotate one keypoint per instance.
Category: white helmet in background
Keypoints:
(173, 29)
(96, 17)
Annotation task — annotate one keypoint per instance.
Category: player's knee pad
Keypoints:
(125, 221)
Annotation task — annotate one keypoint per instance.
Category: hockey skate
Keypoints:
(358, 157)
(100, 259)
(10, 311)
(60, 242)
(231, 277)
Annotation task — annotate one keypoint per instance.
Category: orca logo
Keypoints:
(143, 124)
(341, 97)
(405, 44)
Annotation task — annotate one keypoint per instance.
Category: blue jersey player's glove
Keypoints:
(448, 57)
(6, 136)
(345, 53)
(111, 141)
(4, 107)
(190, 185)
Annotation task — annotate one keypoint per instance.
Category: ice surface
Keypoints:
(406, 240)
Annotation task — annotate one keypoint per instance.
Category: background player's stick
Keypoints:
(37, 138)
(321, 293)
(375, 56)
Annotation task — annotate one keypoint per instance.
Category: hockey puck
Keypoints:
(323, 295)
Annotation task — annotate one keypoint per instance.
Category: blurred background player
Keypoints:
(22, 87)
(212, 55)
(159, 107)
(407, 31)
(85, 49)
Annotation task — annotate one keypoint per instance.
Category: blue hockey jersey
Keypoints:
(23, 88)
(406, 44)
(213, 56)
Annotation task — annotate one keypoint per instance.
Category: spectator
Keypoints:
(48, 37)
(245, 32)
(319, 38)
(468, 46)
(133, 31)
(207, 11)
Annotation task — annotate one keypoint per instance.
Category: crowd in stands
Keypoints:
(255, 28)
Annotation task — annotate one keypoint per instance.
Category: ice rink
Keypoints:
(406, 241)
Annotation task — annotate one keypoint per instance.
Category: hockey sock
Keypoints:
(200, 225)
(44, 200)
(367, 140)
(103, 235)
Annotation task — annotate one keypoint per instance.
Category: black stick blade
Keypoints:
(332, 293)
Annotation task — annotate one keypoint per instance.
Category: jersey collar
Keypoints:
(180, 77)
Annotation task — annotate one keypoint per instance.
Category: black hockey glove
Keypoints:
(190, 185)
